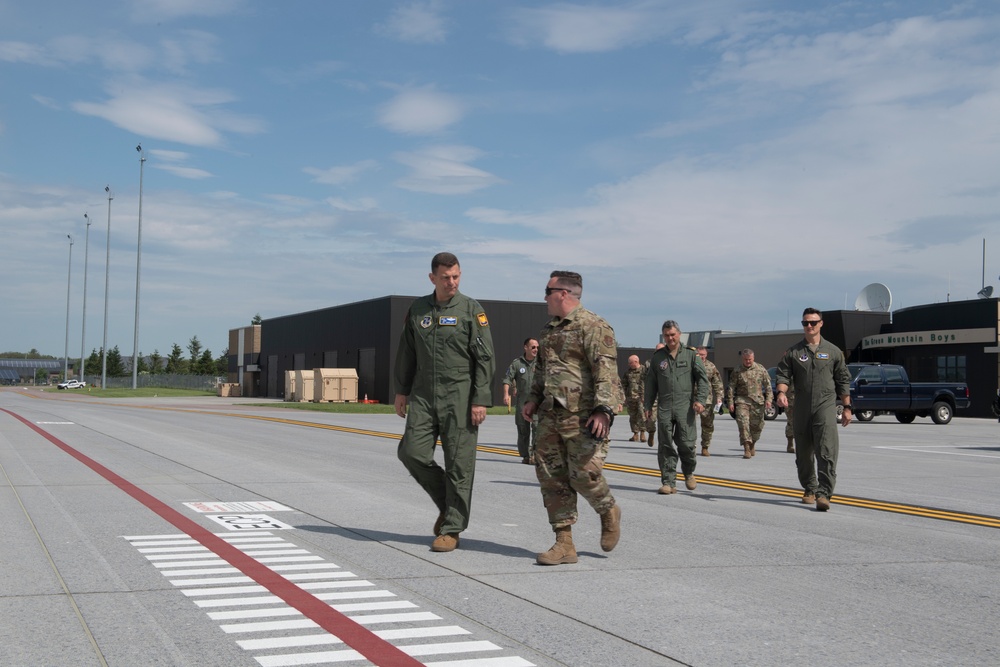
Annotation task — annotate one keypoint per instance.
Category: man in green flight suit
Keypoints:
(519, 377)
(819, 372)
(678, 381)
(444, 376)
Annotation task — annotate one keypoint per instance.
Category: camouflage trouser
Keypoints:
(569, 461)
(750, 421)
(636, 418)
(707, 426)
(651, 422)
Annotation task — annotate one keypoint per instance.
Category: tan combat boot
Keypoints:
(642, 436)
(611, 528)
(791, 446)
(634, 438)
(704, 451)
(562, 552)
(746, 450)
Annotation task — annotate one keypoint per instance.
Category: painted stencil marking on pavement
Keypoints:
(243, 522)
(240, 506)
(278, 635)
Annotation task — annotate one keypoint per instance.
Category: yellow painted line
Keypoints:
(864, 503)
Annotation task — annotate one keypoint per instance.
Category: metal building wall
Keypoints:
(350, 330)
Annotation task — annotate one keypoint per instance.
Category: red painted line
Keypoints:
(362, 640)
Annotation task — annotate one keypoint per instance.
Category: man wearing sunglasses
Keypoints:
(575, 392)
(519, 376)
(819, 373)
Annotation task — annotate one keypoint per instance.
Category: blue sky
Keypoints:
(722, 163)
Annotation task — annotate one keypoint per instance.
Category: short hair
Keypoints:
(670, 324)
(812, 311)
(528, 340)
(571, 280)
(700, 348)
(746, 352)
(445, 259)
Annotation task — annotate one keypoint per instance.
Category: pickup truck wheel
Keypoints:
(770, 413)
(941, 412)
(865, 415)
(905, 417)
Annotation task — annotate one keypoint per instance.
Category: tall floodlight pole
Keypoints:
(69, 277)
(83, 330)
(138, 264)
(107, 267)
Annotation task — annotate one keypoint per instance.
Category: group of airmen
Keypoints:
(566, 392)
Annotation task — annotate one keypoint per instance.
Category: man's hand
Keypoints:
(845, 416)
(506, 400)
(599, 424)
(528, 411)
(478, 414)
(782, 400)
(698, 408)
(400, 404)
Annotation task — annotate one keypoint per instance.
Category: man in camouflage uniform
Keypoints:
(677, 380)
(715, 397)
(748, 395)
(519, 376)
(574, 393)
(444, 377)
(633, 382)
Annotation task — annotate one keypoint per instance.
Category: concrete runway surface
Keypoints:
(210, 532)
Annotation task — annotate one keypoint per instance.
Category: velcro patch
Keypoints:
(481, 318)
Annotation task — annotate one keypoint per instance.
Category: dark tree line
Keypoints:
(198, 362)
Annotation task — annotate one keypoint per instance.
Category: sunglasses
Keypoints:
(550, 290)
(810, 323)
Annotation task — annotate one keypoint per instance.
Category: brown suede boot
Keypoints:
(704, 451)
(634, 438)
(791, 446)
(611, 528)
(562, 552)
(746, 450)
(642, 436)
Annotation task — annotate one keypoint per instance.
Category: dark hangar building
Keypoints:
(364, 336)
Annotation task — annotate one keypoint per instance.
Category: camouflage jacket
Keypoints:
(717, 392)
(634, 384)
(749, 385)
(577, 365)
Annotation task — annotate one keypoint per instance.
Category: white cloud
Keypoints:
(444, 170)
(171, 112)
(416, 23)
(362, 204)
(341, 174)
(568, 28)
(421, 111)
(150, 11)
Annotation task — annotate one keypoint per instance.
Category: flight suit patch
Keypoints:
(481, 318)
(447, 321)
(822, 355)
(426, 322)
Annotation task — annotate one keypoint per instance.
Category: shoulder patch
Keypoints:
(481, 318)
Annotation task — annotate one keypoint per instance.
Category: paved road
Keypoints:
(209, 532)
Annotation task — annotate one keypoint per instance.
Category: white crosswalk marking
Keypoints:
(247, 608)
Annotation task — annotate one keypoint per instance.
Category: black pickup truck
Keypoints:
(885, 388)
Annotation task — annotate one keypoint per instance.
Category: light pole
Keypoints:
(107, 267)
(83, 330)
(138, 263)
(69, 276)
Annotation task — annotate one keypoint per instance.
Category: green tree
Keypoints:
(206, 364)
(256, 319)
(175, 362)
(155, 362)
(194, 348)
(92, 366)
(222, 364)
(143, 365)
(116, 366)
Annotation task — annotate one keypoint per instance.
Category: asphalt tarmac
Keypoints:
(210, 532)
